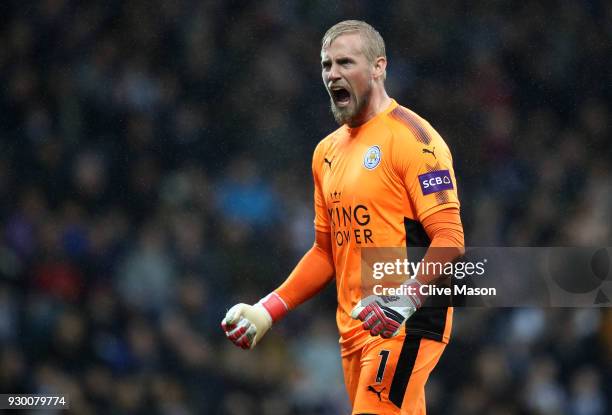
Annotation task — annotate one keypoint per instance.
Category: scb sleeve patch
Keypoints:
(435, 181)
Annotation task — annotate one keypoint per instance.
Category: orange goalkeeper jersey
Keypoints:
(374, 184)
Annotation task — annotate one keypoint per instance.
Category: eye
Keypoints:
(325, 64)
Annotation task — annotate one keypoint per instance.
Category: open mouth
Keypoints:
(341, 96)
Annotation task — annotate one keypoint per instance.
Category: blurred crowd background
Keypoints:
(155, 169)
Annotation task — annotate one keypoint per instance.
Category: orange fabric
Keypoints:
(366, 182)
(444, 228)
(362, 367)
(446, 234)
(310, 275)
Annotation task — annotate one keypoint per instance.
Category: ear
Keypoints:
(380, 65)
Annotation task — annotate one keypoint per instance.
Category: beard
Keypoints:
(352, 112)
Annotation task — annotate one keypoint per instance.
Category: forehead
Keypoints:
(349, 44)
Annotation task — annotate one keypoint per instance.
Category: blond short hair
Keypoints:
(373, 43)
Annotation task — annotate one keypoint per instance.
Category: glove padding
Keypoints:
(384, 315)
(245, 324)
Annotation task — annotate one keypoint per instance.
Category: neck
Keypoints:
(378, 102)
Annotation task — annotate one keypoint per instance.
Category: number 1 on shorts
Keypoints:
(383, 363)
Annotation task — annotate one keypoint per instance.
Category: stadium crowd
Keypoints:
(155, 169)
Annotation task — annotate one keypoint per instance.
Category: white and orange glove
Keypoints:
(384, 315)
(245, 324)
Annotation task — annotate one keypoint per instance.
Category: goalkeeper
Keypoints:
(383, 179)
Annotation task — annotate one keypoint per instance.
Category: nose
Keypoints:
(333, 74)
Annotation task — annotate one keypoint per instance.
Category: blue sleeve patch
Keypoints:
(435, 181)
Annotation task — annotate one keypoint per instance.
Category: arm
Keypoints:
(312, 273)
(445, 231)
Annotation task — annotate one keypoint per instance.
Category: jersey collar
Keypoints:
(354, 130)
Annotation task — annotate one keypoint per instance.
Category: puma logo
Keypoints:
(432, 152)
(328, 161)
(371, 389)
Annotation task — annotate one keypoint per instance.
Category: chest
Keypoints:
(358, 172)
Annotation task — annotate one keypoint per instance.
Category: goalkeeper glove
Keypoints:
(384, 315)
(245, 324)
